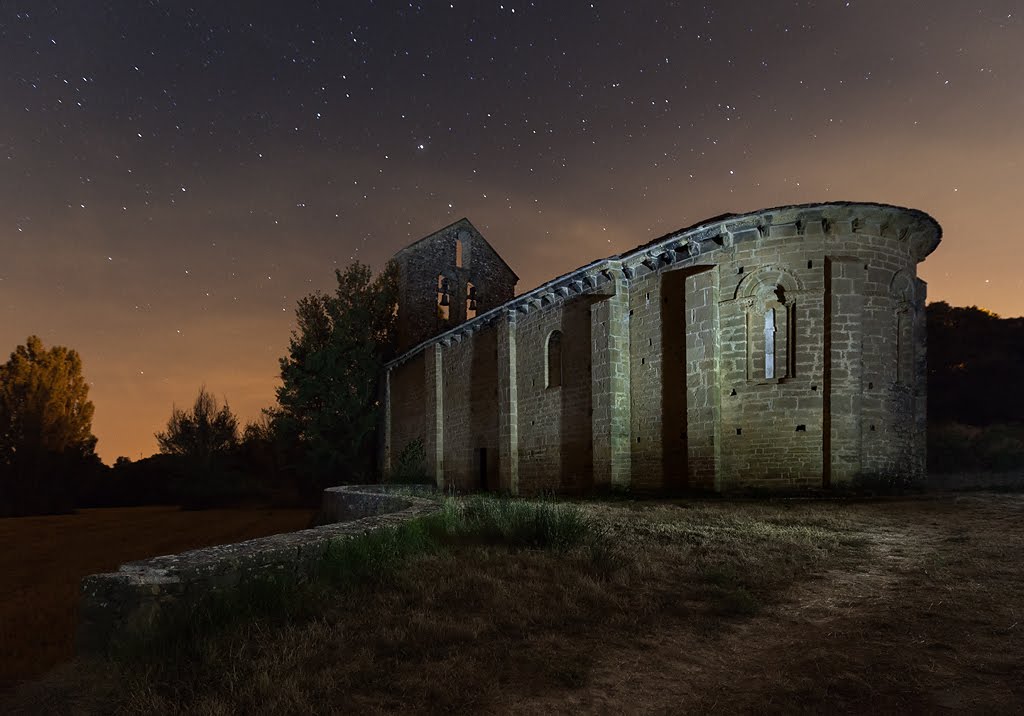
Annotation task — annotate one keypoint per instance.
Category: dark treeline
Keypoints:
(323, 430)
(975, 390)
(975, 366)
(257, 469)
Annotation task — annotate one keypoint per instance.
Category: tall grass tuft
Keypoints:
(374, 555)
(517, 523)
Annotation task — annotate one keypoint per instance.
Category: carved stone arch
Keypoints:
(768, 297)
(901, 287)
(767, 279)
(901, 291)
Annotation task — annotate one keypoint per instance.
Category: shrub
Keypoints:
(410, 467)
(953, 447)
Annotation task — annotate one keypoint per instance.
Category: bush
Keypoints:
(410, 467)
(953, 447)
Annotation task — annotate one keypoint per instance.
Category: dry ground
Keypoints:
(889, 606)
(43, 558)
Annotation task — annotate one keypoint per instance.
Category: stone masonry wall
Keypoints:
(508, 403)
(782, 349)
(407, 395)
(436, 255)
(610, 399)
(655, 339)
(555, 450)
(470, 403)
(771, 427)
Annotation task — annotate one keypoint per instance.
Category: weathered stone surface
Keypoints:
(781, 349)
(127, 601)
(463, 258)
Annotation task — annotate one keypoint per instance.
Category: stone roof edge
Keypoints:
(463, 220)
(702, 231)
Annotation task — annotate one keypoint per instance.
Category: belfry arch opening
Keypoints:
(443, 299)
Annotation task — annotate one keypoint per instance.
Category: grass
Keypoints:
(499, 606)
(535, 525)
(362, 560)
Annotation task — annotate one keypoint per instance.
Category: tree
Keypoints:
(44, 402)
(974, 365)
(45, 427)
(329, 394)
(202, 433)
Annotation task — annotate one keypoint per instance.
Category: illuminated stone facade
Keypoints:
(782, 349)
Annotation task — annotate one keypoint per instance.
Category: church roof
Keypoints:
(918, 225)
(463, 223)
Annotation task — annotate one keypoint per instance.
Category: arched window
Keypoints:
(458, 253)
(553, 362)
(767, 296)
(770, 352)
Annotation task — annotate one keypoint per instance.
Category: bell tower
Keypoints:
(447, 278)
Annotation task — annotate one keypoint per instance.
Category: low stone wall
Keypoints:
(130, 599)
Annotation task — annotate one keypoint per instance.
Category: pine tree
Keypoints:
(329, 394)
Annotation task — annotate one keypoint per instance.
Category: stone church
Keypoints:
(780, 349)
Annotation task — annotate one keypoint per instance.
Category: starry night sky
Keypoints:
(174, 176)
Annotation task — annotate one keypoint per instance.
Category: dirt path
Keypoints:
(932, 622)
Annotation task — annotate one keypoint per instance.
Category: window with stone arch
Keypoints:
(768, 296)
(553, 360)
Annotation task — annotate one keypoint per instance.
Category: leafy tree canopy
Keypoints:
(44, 403)
(328, 398)
(201, 433)
(975, 365)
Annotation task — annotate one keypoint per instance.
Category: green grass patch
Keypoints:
(518, 523)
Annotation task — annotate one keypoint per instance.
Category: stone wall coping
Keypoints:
(867, 218)
(177, 567)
